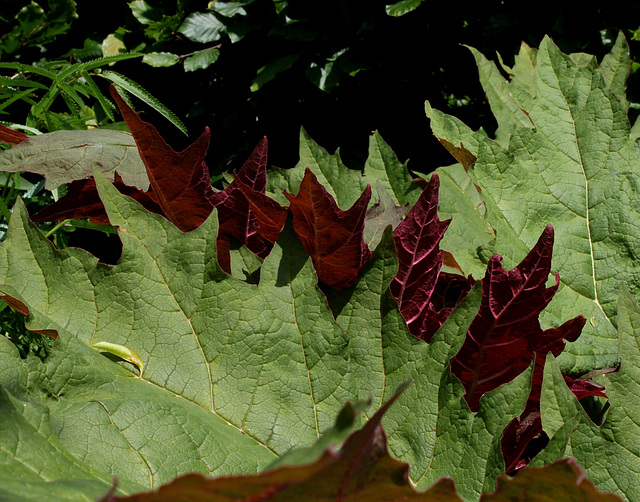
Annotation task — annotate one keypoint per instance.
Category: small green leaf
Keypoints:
(201, 59)
(203, 27)
(113, 45)
(403, 7)
(268, 72)
(160, 59)
(121, 351)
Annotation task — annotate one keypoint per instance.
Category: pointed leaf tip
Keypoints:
(180, 182)
(506, 333)
(333, 238)
(420, 260)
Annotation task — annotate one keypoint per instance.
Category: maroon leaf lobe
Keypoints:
(247, 214)
(333, 238)
(505, 334)
(420, 260)
(180, 182)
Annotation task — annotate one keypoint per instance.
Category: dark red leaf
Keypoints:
(180, 182)
(248, 215)
(333, 238)
(504, 336)
(417, 241)
(83, 201)
(584, 388)
(11, 136)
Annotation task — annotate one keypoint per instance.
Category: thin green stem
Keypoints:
(57, 227)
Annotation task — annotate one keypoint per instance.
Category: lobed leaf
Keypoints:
(333, 238)
(573, 167)
(64, 156)
(419, 264)
(608, 452)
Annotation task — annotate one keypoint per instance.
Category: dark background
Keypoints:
(402, 62)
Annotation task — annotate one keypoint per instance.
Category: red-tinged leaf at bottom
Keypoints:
(363, 470)
(333, 238)
(506, 333)
(417, 240)
(561, 481)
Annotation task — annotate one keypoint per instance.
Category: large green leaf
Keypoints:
(571, 164)
(431, 425)
(227, 388)
(609, 453)
(64, 156)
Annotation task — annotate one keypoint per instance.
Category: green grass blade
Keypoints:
(96, 63)
(137, 90)
(106, 105)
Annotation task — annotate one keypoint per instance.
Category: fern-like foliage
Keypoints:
(65, 95)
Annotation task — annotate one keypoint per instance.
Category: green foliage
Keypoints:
(33, 26)
(231, 391)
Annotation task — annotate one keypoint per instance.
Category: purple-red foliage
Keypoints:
(247, 214)
(333, 238)
(420, 260)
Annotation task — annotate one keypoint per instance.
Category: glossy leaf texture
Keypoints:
(420, 260)
(564, 155)
(506, 334)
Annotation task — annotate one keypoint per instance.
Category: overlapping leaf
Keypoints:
(343, 184)
(506, 334)
(274, 379)
(420, 260)
(361, 470)
(180, 186)
(609, 452)
(333, 238)
(180, 181)
(573, 164)
(65, 156)
(247, 214)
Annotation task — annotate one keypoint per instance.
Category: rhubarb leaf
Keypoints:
(333, 238)
(608, 452)
(506, 334)
(64, 156)
(268, 382)
(343, 184)
(417, 241)
(573, 169)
